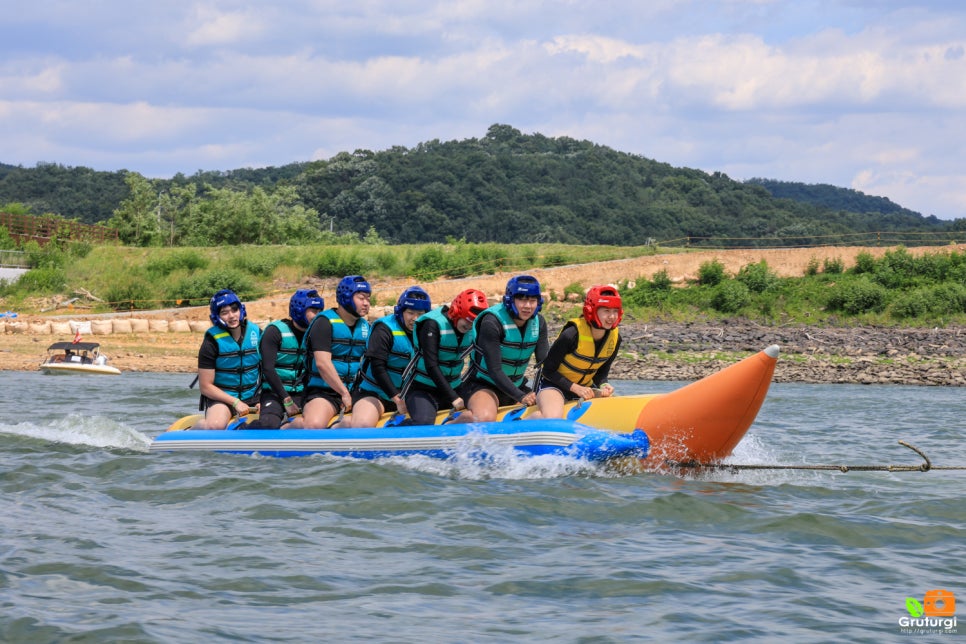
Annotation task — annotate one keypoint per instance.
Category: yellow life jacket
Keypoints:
(580, 366)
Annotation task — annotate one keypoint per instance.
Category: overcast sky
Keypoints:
(864, 94)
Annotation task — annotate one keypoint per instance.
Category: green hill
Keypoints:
(505, 187)
(835, 198)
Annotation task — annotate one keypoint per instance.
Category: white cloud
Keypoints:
(948, 189)
(597, 49)
(211, 26)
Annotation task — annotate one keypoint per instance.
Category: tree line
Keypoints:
(506, 187)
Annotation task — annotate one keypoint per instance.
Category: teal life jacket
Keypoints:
(290, 361)
(348, 346)
(237, 368)
(516, 345)
(400, 353)
(451, 350)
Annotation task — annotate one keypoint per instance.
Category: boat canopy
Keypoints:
(74, 346)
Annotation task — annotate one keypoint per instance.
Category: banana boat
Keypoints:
(702, 421)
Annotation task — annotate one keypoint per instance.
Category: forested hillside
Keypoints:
(835, 198)
(504, 187)
(77, 193)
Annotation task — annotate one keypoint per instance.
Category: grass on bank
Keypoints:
(896, 289)
(131, 278)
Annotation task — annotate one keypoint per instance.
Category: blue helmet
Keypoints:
(522, 285)
(302, 301)
(221, 299)
(412, 298)
(347, 288)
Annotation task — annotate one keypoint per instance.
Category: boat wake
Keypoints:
(76, 429)
(482, 459)
(474, 459)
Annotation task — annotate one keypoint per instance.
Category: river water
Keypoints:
(103, 541)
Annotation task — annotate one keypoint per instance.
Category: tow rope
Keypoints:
(925, 466)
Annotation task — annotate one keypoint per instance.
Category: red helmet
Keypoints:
(467, 305)
(598, 296)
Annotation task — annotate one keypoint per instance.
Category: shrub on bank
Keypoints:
(926, 289)
(257, 261)
(165, 263)
(711, 273)
(757, 277)
(930, 302)
(833, 266)
(46, 280)
(730, 296)
(656, 292)
(49, 256)
(133, 293)
(197, 289)
(857, 296)
(335, 262)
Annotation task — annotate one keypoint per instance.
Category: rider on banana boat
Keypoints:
(507, 336)
(443, 338)
(580, 358)
(388, 355)
(228, 362)
(334, 344)
(283, 361)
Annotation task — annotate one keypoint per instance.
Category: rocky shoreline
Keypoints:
(858, 355)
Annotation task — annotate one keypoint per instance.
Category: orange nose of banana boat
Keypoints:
(704, 421)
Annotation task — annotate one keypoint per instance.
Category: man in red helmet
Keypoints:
(443, 338)
(579, 360)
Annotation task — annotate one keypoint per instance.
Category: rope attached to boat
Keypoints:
(926, 466)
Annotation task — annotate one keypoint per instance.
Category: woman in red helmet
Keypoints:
(580, 358)
(443, 338)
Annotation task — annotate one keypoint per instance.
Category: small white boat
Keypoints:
(77, 357)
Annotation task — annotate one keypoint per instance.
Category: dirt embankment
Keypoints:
(656, 351)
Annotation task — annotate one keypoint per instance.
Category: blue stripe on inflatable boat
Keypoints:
(532, 437)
